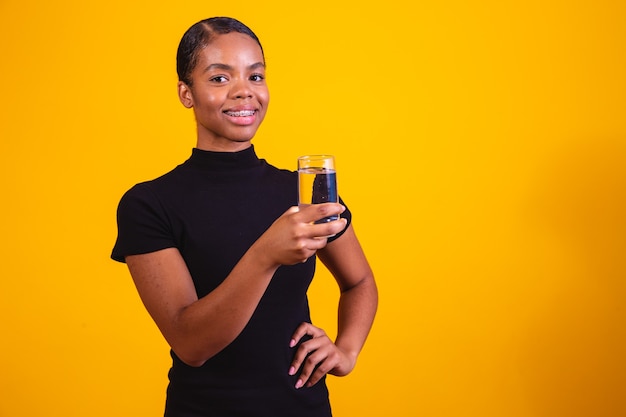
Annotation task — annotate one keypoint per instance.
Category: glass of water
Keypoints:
(317, 182)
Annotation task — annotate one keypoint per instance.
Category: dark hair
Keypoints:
(199, 36)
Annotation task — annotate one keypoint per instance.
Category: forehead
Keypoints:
(230, 48)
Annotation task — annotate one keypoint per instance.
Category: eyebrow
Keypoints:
(226, 67)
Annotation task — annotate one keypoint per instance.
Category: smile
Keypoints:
(242, 113)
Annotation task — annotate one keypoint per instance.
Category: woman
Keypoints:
(222, 257)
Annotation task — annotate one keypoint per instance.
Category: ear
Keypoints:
(185, 95)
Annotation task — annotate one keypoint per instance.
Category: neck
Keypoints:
(223, 147)
(221, 144)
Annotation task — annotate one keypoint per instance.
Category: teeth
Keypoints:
(242, 113)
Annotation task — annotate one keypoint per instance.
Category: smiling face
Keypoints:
(228, 92)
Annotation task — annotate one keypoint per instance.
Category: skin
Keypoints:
(230, 76)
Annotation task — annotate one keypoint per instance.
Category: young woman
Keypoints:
(222, 257)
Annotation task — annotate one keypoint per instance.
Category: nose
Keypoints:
(241, 88)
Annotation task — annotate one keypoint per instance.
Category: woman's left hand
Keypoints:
(317, 356)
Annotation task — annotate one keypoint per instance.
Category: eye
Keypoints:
(257, 77)
(218, 79)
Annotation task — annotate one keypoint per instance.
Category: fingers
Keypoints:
(303, 330)
(308, 236)
(324, 230)
(294, 237)
(314, 358)
(314, 212)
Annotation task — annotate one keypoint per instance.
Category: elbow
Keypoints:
(194, 354)
(365, 283)
(190, 354)
(193, 363)
(191, 348)
(192, 359)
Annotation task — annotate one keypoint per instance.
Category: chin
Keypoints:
(243, 136)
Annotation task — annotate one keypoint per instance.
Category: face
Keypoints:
(228, 95)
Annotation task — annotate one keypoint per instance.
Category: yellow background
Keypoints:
(481, 146)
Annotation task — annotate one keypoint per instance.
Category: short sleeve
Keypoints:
(142, 224)
(347, 214)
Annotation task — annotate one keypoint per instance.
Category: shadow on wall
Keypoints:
(573, 354)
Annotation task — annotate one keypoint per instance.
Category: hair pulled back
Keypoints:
(199, 36)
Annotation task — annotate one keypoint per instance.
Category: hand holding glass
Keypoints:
(317, 182)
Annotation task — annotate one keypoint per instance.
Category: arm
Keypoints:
(357, 307)
(195, 328)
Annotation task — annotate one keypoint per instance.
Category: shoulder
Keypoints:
(151, 192)
(279, 172)
(158, 184)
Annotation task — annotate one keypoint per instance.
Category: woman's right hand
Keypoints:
(294, 237)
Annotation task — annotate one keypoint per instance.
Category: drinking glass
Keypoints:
(317, 182)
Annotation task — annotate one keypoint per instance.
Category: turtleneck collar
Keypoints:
(224, 161)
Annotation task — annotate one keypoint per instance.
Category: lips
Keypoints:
(242, 116)
(240, 113)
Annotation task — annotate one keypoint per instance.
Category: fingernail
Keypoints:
(292, 343)
(292, 371)
(299, 384)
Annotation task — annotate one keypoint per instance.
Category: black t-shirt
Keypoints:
(212, 208)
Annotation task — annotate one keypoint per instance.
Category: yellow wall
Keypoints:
(481, 146)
